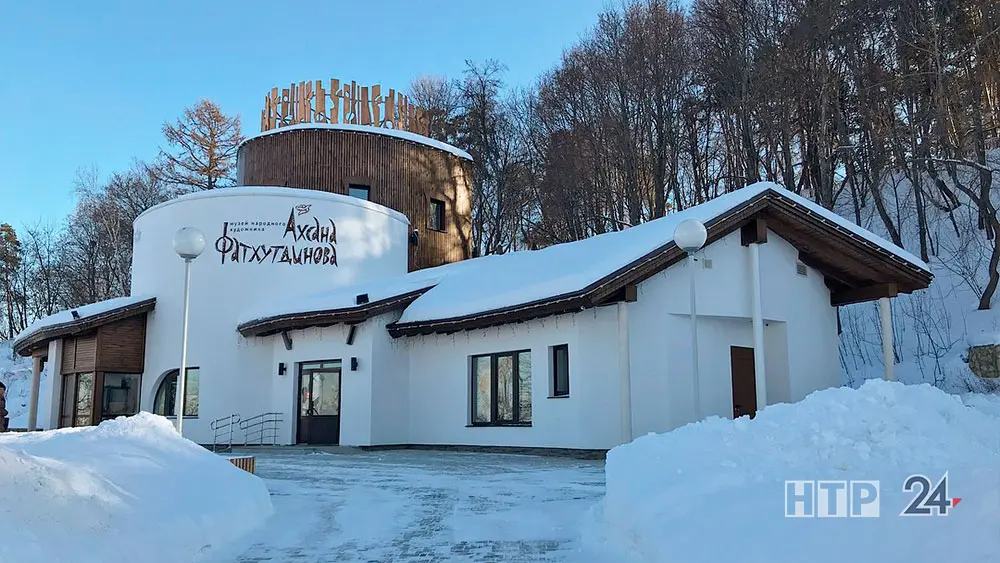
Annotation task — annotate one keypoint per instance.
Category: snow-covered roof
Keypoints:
(276, 191)
(86, 317)
(397, 133)
(526, 279)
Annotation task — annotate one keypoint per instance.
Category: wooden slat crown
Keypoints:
(310, 102)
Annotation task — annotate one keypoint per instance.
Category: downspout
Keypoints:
(759, 369)
(624, 373)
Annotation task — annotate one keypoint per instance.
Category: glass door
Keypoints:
(77, 404)
(319, 403)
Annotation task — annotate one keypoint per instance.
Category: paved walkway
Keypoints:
(409, 506)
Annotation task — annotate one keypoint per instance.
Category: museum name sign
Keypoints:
(304, 240)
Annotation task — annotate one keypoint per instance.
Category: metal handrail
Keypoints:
(261, 430)
(220, 428)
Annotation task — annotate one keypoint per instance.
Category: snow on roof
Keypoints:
(495, 282)
(397, 133)
(84, 312)
(277, 191)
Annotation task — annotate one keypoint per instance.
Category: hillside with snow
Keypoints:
(15, 373)
(933, 329)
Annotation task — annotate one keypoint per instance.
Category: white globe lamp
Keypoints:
(690, 235)
(189, 243)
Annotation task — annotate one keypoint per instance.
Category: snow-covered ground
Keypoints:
(127, 490)
(715, 490)
(410, 506)
(15, 373)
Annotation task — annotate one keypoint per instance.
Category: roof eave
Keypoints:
(646, 266)
(348, 315)
(28, 344)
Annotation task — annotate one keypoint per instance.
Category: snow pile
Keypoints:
(714, 490)
(15, 373)
(127, 490)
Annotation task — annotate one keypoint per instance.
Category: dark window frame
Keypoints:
(359, 186)
(557, 391)
(102, 415)
(161, 386)
(441, 215)
(494, 387)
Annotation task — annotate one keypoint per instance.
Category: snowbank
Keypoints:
(714, 491)
(127, 490)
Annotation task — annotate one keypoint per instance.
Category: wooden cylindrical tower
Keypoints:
(426, 180)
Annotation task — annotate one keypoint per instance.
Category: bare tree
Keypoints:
(202, 148)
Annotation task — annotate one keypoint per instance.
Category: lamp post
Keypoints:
(690, 236)
(189, 243)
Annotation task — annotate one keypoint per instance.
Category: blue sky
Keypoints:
(90, 83)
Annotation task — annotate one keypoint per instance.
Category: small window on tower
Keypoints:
(436, 222)
(359, 191)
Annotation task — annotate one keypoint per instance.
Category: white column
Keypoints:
(36, 382)
(885, 316)
(624, 373)
(759, 366)
(695, 373)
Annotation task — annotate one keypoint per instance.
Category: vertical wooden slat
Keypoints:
(390, 109)
(366, 114)
(334, 101)
(376, 110)
(320, 97)
(283, 118)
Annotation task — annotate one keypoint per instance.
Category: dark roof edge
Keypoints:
(26, 345)
(634, 272)
(350, 315)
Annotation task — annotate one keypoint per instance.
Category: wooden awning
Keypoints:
(36, 339)
(347, 315)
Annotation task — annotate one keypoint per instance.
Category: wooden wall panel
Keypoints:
(68, 355)
(79, 353)
(122, 345)
(402, 175)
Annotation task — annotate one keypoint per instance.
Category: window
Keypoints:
(560, 370)
(359, 191)
(120, 395)
(436, 221)
(166, 395)
(77, 405)
(501, 389)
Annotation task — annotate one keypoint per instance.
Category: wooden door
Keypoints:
(744, 383)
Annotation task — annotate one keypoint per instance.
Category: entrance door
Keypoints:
(744, 384)
(319, 403)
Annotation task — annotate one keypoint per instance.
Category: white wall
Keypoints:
(439, 399)
(800, 333)
(236, 374)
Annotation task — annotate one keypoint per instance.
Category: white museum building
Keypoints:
(305, 308)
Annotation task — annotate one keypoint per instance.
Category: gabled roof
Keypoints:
(80, 320)
(569, 277)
